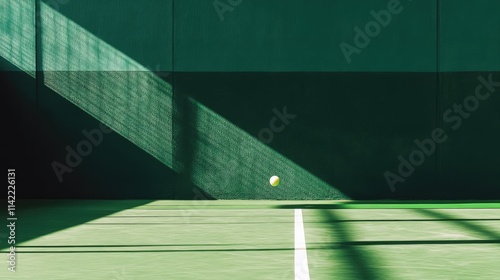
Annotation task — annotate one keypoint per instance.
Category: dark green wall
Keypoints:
(469, 160)
(192, 131)
(277, 36)
(469, 48)
(469, 36)
(348, 130)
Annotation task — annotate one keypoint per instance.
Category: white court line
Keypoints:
(301, 264)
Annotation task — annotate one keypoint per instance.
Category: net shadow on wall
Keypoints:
(17, 34)
(224, 160)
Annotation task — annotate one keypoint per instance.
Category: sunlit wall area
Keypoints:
(107, 84)
(141, 30)
(346, 129)
(17, 34)
(88, 79)
(228, 163)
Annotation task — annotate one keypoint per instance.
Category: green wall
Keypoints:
(188, 89)
(469, 49)
(469, 159)
(469, 36)
(277, 36)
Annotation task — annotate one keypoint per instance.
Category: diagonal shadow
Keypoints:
(37, 218)
(466, 225)
(362, 264)
(218, 156)
(311, 246)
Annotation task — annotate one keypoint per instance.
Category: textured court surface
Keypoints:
(254, 240)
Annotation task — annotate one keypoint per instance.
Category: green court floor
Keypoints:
(146, 239)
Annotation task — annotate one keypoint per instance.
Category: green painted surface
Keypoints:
(470, 39)
(116, 167)
(138, 239)
(155, 241)
(347, 130)
(402, 243)
(199, 131)
(469, 158)
(17, 34)
(298, 36)
(140, 31)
